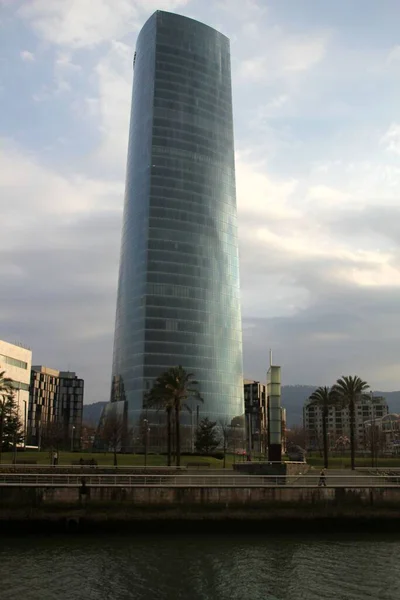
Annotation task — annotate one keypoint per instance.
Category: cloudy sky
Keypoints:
(317, 123)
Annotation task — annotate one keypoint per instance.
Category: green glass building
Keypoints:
(178, 292)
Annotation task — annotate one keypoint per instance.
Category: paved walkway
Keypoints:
(340, 477)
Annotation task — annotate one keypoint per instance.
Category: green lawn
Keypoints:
(344, 463)
(66, 458)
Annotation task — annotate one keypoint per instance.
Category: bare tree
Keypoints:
(226, 436)
(88, 436)
(296, 436)
(374, 441)
(237, 436)
(113, 433)
(52, 436)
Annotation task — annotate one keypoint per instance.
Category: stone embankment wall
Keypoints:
(198, 510)
(187, 498)
(271, 468)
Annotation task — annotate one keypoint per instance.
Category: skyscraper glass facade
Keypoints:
(178, 294)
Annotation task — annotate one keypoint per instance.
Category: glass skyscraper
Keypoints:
(178, 293)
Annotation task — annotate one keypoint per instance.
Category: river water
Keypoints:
(200, 568)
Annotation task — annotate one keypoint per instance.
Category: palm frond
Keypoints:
(323, 396)
(349, 388)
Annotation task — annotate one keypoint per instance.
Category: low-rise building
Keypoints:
(338, 424)
(15, 361)
(382, 435)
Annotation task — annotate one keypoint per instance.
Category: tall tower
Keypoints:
(274, 413)
(178, 292)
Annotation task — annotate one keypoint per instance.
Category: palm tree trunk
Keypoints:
(352, 436)
(1, 436)
(169, 435)
(178, 436)
(325, 435)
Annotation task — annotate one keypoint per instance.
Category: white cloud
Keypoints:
(391, 139)
(286, 223)
(65, 73)
(282, 54)
(379, 274)
(277, 102)
(394, 55)
(58, 87)
(300, 54)
(27, 56)
(63, 61)
(284, 57)
(59, 250)
(31, 191)
(259, 196)
(114, 74)
(81, 23)
(327, 197)
(250, 9)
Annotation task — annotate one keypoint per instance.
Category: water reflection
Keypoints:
(200, 568)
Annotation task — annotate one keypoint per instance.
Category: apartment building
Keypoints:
(366, 410)
(55, 408)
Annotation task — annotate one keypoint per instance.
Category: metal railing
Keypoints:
(79, 467)
(195, 481)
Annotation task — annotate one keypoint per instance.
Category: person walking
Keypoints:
(322, 479)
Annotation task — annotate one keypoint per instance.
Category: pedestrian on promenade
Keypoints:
(322, 479)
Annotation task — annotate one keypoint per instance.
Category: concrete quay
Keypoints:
(204, 496)
(99, 500)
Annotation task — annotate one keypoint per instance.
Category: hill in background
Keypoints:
(293, 398)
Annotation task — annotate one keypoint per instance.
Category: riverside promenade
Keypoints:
(117, 498)
(125, 477)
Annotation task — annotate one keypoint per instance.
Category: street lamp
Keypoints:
(146, 431)
(25, 423)
(72, 438)
(15, 433)
(191, 411)
(234, 441)
(374, 449)
(39, 434)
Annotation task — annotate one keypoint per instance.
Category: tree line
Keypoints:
(172, 393)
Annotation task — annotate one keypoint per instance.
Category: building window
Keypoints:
(18, 385)
(13, 362)
(171, 325)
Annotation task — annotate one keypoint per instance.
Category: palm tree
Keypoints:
(348, 390)
(7, 392)
(176, 387)
(323, 397)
